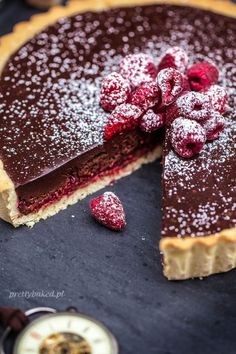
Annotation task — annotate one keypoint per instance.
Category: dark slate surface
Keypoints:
(117, 277)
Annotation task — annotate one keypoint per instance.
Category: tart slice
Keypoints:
(53, 146)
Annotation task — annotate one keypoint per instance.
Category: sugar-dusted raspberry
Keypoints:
(124, 117)
(138, 68)
(202, 75)
(172, 112)
(194, 105)
(108, 210)
(218, 98)
(176, 58)
(145, 95)
(186, 85)
(170, 82)
(115, 90)
(187, 137)
(214, 125)
(151, 121)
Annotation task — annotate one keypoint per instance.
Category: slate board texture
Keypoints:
(116, 278)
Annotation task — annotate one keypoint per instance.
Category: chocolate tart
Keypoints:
(52, 148)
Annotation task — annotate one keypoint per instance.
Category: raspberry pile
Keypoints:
(149, 95)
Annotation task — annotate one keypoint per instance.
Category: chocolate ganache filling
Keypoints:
(51, 124)
(88, 167)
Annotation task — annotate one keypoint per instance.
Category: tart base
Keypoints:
(200, 256)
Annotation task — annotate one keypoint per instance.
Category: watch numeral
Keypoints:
(69, 323)
(35, 335)
(86, 329)
(98, 340)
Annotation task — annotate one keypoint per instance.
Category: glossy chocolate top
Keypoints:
(49, 103)
(199, 194)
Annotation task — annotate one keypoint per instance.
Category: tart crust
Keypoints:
(183, 258)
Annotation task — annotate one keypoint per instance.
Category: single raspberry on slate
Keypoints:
(115, 90)
(170, 82)
(214, 125)
(151, 121)
(108, 210)
(187, 137)
(138, 68)
(145, 95)
(176, 58)
(218, 98)
(194, 105)
(124, 117)
(202, 75)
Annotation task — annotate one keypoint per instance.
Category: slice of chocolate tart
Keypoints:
(52, 146)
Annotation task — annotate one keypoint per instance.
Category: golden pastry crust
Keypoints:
(221, 6)
(192, 257)
(183, 258)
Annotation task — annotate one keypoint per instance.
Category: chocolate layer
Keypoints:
(86, 168)
(50, 114)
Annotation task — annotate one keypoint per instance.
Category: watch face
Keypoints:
(65, 333)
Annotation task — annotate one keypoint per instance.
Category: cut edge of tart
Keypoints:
(182, 258)
(8, 197)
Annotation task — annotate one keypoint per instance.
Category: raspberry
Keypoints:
(108, 210)
(145, 96)
(151, 121)
(218, 98)
(187, 137)
(214, 125)
(175, 58)
(194, 105)
(172, 112)
(138, 68)
(170, 82)
(202, 75)
(114, 91)
(124, 117)
(186, 86)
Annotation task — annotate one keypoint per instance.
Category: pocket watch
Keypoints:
(67, 332)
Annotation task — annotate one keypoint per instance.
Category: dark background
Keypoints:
(117, 277)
